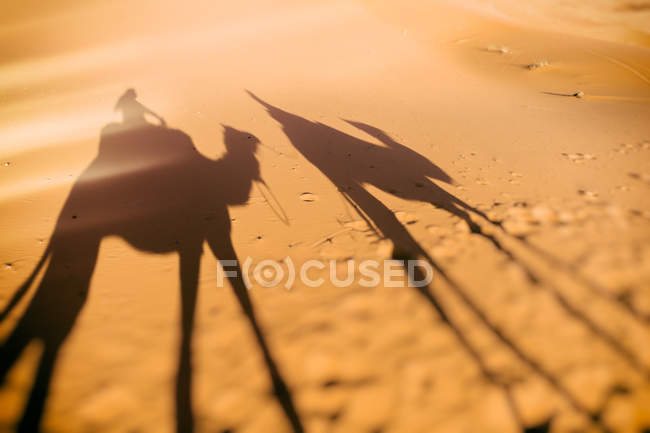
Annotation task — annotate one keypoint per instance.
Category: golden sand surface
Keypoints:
(505, 143)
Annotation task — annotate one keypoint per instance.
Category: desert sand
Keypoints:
(505, 143)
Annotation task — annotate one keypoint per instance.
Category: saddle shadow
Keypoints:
(151, 187)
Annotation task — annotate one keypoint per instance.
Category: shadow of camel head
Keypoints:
(237, 141)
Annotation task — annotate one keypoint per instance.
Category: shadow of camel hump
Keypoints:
(151, 187)
(349, 163)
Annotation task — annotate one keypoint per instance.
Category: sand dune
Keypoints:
(505, 144)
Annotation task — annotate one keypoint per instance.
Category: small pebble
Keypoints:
(499, 49)
(308, 197)
(579, 94)
(358, 225)
(645, 177)
(589, 195)
(536, 65)
(579, 157)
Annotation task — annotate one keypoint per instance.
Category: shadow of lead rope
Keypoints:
(575, 273)
(561, 299)
(22, 290)
(279, 212)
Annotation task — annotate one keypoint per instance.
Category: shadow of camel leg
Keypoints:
(50, 317)
(385, 221)
(11, 350)
(458, 207)
(224, 251)
(406, 247)
(31, 419)
(190, 261)
(22, 290)
(569, 269)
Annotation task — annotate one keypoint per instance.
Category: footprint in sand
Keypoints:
(626, 148)
(589, 196)
(640, 213)
(461, 227)
(623, 148)
(579, 158)
(384, 249)
(334, 252)
(537, 65)
(406, 217)
(515, 178)
(501, 49)
(358, 225)
(519, 221)
(544, 215)
(643, 177)
(481, 181)
(308, 197)
(524, 220)
(438, 231)
(448, 249)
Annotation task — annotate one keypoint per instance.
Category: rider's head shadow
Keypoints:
(149, 186)
(133, 112)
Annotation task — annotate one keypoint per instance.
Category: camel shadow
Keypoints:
(350, 163)
(151, 187)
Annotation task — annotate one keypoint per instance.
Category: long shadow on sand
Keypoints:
(349, 163)
(151, 187)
